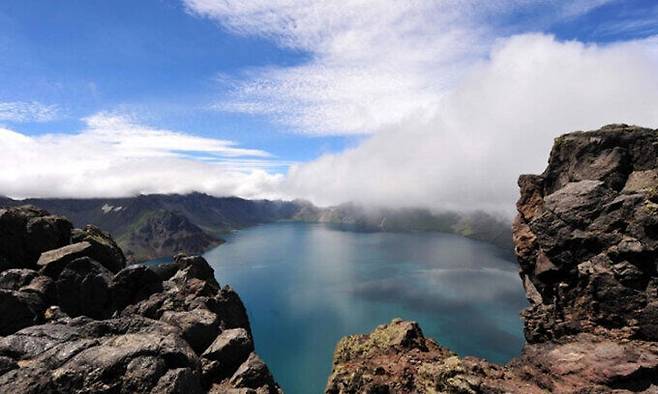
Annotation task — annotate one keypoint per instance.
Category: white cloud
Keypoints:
(27, 111)
(458, 102)
(115, 156)
(459, 99)
(497, 123)
(372, 62)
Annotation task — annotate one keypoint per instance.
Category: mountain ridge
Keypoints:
(159, 225)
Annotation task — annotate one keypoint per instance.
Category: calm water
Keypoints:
(307, 285)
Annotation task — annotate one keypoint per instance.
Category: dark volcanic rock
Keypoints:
(103, 248)
(586, 238)
(158, 320)
(587, 245)
(230, 348)
(253, 374)
(83, 355)
(26, 232)
(14, 279)
(133, 284)
(24, 295)
(90, 242)
(198, 326)
(53, 262)
(19, 309)
(83, 288)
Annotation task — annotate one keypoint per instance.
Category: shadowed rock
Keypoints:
(26, 232)
(19, 310)
(103, 248)
(158, 321)
(83, 288)
(133, 284)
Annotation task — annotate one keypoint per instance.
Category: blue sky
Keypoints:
(303, 82)
(149, 58)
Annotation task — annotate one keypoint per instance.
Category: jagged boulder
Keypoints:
(26, 232)
(586, 235)
(52, 262)
(84, 355)
(199, 326)
(83, 288)
(102, 247)
(19, 309)
(133, 284)
(24, 295)
(230, 348)
(254, 374)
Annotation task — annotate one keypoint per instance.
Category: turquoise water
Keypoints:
(307, 285)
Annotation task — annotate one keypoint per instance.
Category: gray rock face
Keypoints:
(103, 248)
(53, 262)
(252, 374)
(230, 348)
(14, 279)
(133, 284)
(586, 235)
(24, 295)
(85, 324)
(83, 355)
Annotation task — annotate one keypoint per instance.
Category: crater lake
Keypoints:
(307, 285)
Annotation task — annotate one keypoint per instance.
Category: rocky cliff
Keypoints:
(586, 238)
(75, 319)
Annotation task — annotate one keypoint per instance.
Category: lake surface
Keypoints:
(307, 285)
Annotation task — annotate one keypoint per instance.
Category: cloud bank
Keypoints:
(457, 102)
(114, 156)
(499, 122)
(455, 99)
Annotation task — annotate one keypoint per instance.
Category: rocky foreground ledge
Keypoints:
(75, 319)
(586, 238)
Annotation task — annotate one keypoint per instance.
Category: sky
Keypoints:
(438, 104)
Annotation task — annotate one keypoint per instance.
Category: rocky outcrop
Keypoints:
(586, 238)
(26, 232)
(79, 321)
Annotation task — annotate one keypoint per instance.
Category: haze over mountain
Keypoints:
(154, 226)
(393, 104)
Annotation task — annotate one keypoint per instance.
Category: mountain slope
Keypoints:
(165, 233)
